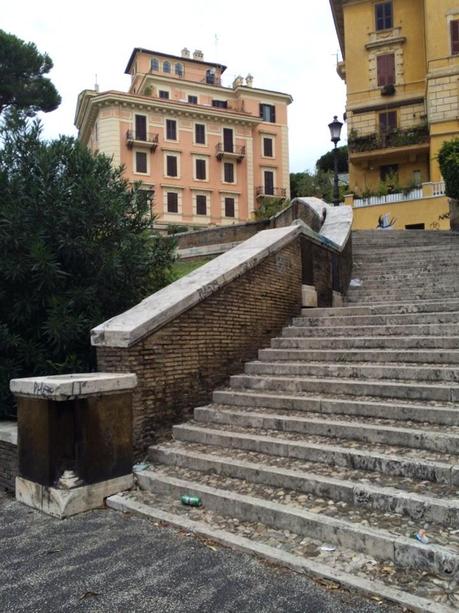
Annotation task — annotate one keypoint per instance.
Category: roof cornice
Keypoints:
(89, 101)
(338, 17)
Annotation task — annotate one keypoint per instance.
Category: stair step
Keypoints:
(303, 554)
(350, 387)
(419, 436)
(407, 306)
(427, 502)
(445, 414)
(340, 526)
(391, 371)
(388, 298)
(418, 464)
(433, 356)
(378, 320)
(388, 330)
(366, 342)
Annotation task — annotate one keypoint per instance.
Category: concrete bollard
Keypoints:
(74, 439)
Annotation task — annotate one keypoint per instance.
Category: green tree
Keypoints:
(319, 184)
(327, 161)
(22, 81)
(76, 247)
(448, 159)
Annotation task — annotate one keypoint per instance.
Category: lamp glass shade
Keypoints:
(335, 130)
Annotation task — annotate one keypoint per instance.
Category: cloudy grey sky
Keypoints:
(288, 46)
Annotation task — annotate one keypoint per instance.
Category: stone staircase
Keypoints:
(334, 448)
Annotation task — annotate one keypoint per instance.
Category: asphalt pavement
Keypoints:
(109, 562)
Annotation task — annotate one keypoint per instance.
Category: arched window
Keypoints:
(154, 64)
(166, 67)
(179, 70)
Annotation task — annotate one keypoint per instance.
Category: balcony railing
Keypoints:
(230, 151)
(425, 191)
(385, 140)
(270, 192)
(211, 80)
(141, 139)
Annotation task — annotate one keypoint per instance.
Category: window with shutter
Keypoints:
(140, 162)
(387, 121)
(384, 16)
(171, 129)
(201, 170)
(229, 207)
(171, 166)
(268, 112)
(172, 202)
(228, 172)
(269, 182)
(267, 147)
(201, 205)
(454, 37)
(386, 69)
(140, 127)
(200, 134)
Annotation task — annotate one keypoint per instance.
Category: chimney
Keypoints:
(198, 55)
(238, 81)
(185, 52)
(249, 80)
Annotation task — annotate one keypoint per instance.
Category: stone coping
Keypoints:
(9, 432)
(206, 250)
(337, 226)
(158, 309)
(65, 387)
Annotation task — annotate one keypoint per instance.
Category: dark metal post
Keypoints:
(336, 197)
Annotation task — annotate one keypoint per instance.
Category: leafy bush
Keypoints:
(448, 159)
(76, 247)
(268, 207)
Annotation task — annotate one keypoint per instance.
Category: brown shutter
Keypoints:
(386, 69)
(455, 37)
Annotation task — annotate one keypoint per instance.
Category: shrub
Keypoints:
(448, 159)
(76, 248)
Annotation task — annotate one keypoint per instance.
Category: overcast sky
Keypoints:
(289, 46)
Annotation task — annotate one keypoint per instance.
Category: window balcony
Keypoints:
(270, 192)
(391, 139)
(141, 140)
(232, 152)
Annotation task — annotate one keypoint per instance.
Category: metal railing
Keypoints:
(231, 150)
(150, 139)
(273, 192)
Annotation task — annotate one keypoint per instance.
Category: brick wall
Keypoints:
(180, 365)
(8, 465)
(217, 236)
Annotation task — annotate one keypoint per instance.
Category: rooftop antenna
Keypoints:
(96, 84)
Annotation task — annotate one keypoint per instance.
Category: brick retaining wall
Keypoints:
(179, 365)
(8, 465)
(224, 234)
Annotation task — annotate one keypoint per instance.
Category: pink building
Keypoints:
(207, 153)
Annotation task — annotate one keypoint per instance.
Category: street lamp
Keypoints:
(335, 132)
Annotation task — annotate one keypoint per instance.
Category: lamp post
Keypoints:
(335, 132)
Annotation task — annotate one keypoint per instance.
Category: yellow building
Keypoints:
(401, 68)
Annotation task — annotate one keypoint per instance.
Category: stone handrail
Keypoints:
(160, 308)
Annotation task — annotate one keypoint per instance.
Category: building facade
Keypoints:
(401, 68)
(206, 153)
